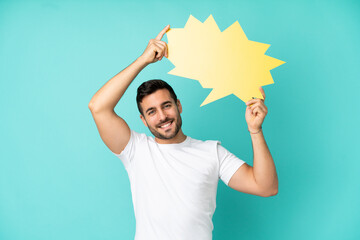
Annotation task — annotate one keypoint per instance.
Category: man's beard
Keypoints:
(177, 128)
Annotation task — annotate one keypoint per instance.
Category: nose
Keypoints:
(162, 115)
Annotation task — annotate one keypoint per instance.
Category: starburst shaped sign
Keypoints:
(225, 61)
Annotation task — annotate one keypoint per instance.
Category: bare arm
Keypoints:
(108, 96)
(263, 165)
(261, 179)
(113, 130)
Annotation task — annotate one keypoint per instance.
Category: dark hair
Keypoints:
(151, 86)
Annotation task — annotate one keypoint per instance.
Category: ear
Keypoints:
(143, 120)
(179, 106)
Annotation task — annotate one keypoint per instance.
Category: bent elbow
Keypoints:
(90, 105)
(275, 192)
(271, 193)
(93, 108)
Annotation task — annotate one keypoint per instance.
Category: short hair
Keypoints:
(151, 86)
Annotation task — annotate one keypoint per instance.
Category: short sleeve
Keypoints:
(127, 155)
(229, 164)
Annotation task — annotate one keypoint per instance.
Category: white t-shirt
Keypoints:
(174, 186)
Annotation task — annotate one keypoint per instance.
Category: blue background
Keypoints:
(58, 180)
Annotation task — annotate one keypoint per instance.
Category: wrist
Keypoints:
(142, 61)
(254, 130)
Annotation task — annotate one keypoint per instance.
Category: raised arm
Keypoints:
(113, 130)
(261, 179)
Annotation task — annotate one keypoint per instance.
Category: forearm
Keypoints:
(263, 164)
(109, 95)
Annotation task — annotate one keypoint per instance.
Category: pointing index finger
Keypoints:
(161, 34)
(262, 92)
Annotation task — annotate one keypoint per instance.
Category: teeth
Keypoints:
(166, 125)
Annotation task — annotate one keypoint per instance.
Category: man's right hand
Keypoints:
(156, 48)
(113, 129)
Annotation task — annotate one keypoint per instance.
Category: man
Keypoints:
(174, 177)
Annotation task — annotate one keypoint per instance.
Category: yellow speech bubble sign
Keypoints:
(225, 61)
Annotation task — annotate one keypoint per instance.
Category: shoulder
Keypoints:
(211, 146)
(204, 144)
(137, 137)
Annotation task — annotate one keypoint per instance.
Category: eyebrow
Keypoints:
(164, 103)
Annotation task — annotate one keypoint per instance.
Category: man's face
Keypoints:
(161, 114)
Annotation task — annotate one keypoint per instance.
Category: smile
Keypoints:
(166, 125)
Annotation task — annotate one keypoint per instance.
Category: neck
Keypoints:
(179, 138)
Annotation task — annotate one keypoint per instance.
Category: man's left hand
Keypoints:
(256, 112)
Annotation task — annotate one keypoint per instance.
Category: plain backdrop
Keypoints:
(59, 181)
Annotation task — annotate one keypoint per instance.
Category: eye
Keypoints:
(151, 112)
(167, 105)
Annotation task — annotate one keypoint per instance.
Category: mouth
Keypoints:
(166, 125)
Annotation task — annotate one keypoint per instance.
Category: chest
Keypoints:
(185, 170)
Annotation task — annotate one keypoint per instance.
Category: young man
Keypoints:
(174, 177)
